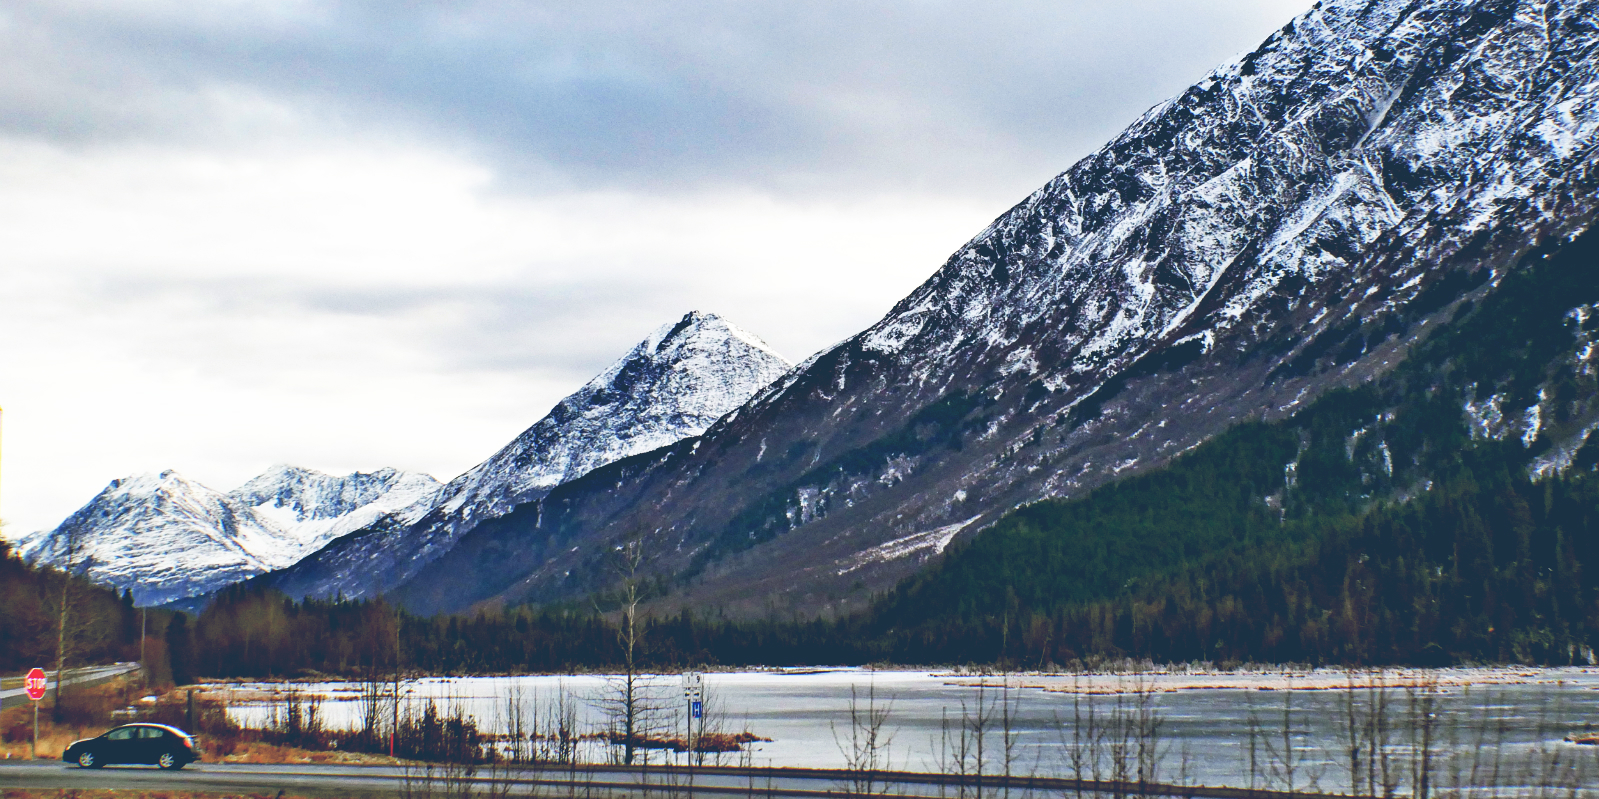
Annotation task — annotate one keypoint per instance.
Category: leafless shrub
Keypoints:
(867, 742)
(1121, 744)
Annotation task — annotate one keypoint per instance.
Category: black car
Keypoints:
(155, 744)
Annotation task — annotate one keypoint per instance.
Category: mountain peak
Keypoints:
(691, 322)
(168, 537)
(294, 494)
(160, 534)
(696, 328)
(673, 385)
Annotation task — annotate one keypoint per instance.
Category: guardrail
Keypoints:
(83, 675)
(761, 781)
(12, 683)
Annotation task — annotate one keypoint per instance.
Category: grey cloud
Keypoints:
(642, 94)
(564, 329)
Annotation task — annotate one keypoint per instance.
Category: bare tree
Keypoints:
(867, 743)
(1083, 748)
(627, 701)
(512, 722)
(74, 626)
(1354, 727)
(1147, 723)
(1423, 728)
(1288, 768)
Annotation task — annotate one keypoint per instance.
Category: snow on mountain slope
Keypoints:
(162, 535)
(167, 537)
(1285, 226)
(670, 387)
(314, 508)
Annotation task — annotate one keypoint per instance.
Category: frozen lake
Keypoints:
(1197, 727)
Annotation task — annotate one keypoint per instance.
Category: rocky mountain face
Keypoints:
(1293, 222)
(167, 537)
(670, 387)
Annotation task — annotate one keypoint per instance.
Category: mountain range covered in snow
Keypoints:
(166, 537)
(1292, 223)
(670, 387)
(169, 538)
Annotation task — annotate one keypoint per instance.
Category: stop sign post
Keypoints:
(35, 684)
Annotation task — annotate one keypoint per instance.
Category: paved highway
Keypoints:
(596, 782)
(384, 781)
(12, 693)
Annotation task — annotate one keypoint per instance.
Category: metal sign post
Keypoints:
(693, 692)
(35, 684)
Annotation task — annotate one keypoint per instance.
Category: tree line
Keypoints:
(56, 620)
(1480, 570)
(100, 624)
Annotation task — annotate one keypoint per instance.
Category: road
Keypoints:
(13, 694)
(595, 782)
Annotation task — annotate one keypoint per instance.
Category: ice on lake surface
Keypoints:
(1515, 716)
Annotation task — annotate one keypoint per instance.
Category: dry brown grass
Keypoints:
(260, 752)
(52, 741)
(100, 793)
(706, 742)
(87, 713)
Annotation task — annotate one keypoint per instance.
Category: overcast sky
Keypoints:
(349, 235)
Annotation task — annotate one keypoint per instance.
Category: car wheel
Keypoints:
(87, 760)
(168, 760)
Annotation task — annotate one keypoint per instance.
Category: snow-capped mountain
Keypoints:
(1289, 224)
(167, 537)
(672, 386)
(315, 508)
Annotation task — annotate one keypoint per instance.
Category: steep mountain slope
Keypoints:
(671, 386)
(168, 538)
(1379, 523)
(1290, 224)
(164, 536)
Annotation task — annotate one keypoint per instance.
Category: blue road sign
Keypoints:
(696, 710)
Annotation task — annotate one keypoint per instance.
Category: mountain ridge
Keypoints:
(671, 386)
(1269, 234)
(169, 538)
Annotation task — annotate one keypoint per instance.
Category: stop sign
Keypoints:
(35, 683)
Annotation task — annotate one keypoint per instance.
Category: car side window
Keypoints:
(120, 735)
(151, 732)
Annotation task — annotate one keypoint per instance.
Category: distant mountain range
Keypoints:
(166, 537)
(669, 388)
(169, 538)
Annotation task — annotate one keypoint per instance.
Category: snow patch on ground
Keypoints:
(933, 541)
(1486, 419)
